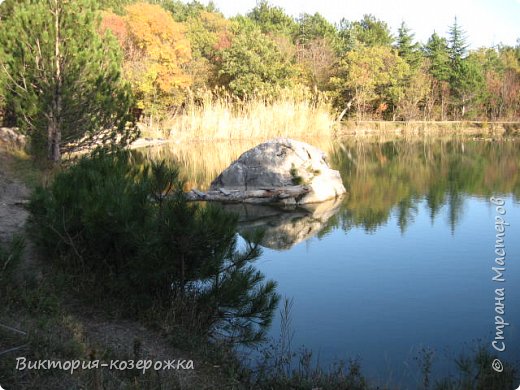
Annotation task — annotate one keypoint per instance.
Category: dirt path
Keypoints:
(12, 193)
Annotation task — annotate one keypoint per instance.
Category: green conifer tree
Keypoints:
(457, 44)
(63, 78)
(407, 49)
(460, 71)
(436, 50)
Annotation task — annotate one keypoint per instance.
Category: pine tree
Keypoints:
(407, 49)
(436, 50)
(125, 226)
(63, 78)
(457, 45)
(471, 83)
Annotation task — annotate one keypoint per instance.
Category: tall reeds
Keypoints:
(212, 115)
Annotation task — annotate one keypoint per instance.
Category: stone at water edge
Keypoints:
(279, 163)
(12, 136)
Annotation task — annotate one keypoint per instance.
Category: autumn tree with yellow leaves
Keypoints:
(156, 53)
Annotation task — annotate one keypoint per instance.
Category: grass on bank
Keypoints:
(431, 128)
(37, 324)
(217, 115)
(18, 163)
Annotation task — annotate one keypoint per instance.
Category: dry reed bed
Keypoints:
(223, 118)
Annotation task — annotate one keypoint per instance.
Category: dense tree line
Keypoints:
(168, 51)
(360, 65)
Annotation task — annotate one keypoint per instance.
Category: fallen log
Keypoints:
(282, 195)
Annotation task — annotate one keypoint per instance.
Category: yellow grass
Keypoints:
(217, 116)
(432, 128)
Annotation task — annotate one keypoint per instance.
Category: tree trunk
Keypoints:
(183, 275)
(50, 136)
(54, 126)
(442, 107)
(54, 139)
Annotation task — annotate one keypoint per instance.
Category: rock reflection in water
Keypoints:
(284, 227)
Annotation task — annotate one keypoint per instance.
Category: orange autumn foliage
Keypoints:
(156, 52)
(116, 25)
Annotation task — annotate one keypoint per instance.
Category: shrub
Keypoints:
(124, 228)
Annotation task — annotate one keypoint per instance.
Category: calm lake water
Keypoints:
(402, 263)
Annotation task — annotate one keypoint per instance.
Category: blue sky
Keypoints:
(486, 22)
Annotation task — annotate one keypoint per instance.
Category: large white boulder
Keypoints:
(279, 163)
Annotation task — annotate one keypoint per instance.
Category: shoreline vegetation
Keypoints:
(156, 136)
(294, 116)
